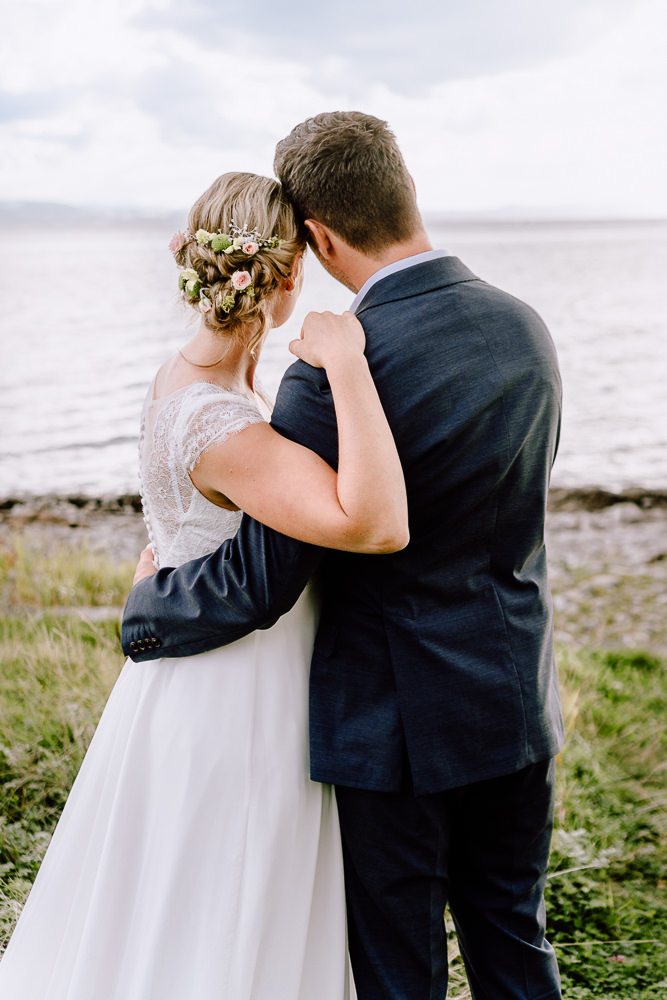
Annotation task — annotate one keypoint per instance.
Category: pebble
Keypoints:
(608, 566)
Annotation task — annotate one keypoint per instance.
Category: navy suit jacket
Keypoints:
(437, 661)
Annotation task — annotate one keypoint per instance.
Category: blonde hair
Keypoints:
(251, 202)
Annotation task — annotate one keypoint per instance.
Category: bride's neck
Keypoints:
(235, 366)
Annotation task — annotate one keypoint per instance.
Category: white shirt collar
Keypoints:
(398, 265)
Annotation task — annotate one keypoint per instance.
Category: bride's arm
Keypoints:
(363, 507)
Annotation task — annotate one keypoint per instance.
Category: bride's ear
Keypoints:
(295, 274)
(320, 238)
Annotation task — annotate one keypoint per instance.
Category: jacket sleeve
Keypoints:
(254, 577)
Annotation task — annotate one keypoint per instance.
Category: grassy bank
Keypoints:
(606, 895)
(607, 906)
(55, 675)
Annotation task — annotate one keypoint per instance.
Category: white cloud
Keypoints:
(581, 131)
(67, 44)
(153, 114)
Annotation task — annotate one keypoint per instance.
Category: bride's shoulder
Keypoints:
(203, 413)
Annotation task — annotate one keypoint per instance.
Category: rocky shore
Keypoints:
(607, 555)
(608, 566)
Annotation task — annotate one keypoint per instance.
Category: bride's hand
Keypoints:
(327, 338)
(145, 566)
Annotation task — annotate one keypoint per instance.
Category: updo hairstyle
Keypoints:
(248, 201)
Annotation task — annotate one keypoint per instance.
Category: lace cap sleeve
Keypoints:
(209, 415)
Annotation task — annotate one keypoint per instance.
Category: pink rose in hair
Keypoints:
(250, 247)
(241, 280)
(177, 242)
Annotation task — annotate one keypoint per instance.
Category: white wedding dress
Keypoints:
(195, 859)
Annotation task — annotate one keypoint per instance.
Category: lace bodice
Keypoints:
(175, 431)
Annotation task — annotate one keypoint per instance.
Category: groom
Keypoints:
(434, 703)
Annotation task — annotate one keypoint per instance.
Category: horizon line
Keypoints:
(13, 209)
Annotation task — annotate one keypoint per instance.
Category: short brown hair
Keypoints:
(345, 170)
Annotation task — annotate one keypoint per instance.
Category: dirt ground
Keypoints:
(607, 555)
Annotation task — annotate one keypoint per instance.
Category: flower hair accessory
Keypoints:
(241, 282)
(190, 285)
(189, 282)
(239, 240)
(178, 241)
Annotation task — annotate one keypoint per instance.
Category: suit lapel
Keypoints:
(416, 280)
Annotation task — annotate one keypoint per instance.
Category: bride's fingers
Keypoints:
(145, 566)
(325, 335)
(305, 352)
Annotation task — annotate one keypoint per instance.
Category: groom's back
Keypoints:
(440, 656)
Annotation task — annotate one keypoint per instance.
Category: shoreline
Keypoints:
(607, 554)
(588, 498)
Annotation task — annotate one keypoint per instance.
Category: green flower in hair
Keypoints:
(220, 242)
(189, 282)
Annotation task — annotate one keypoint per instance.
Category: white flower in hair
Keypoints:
(205, 305)
(234, 245)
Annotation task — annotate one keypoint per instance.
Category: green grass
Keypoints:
(31, 579)
(56, 672)
(55, 678)
(606, 899)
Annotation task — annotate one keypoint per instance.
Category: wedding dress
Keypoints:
(195, 859)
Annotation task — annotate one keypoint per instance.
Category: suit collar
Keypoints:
(415, 280)
(397, 265)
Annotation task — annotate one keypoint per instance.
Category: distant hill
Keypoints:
(48, 213)
(523, 215)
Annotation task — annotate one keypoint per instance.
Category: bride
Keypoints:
(195, 859)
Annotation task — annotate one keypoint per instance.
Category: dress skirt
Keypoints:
(195, 859)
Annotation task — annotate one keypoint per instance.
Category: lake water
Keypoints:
(87, 315)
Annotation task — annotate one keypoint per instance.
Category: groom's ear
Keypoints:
(320, 238)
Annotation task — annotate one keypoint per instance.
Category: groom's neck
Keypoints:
(355, 268)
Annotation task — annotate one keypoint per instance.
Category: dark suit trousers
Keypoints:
(483, 849)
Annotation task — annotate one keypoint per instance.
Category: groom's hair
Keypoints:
(345, 170)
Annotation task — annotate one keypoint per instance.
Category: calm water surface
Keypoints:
(88, 315)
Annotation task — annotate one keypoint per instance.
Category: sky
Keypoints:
(514, 106)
